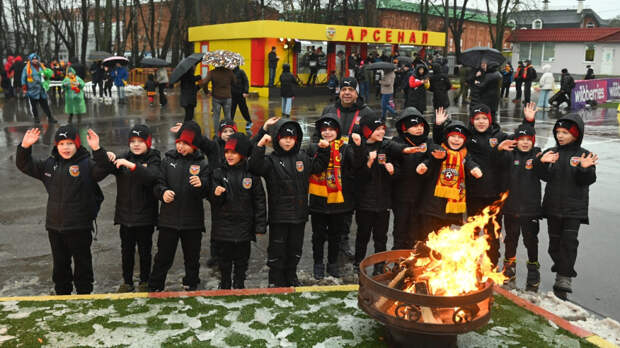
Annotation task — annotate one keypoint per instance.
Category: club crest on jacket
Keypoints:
(381, 158)
(300, 166)
(493, 142)
(194, 169)
(247, 183)
(74, 170)
(574, 161)
(529, 164)
(449, 176)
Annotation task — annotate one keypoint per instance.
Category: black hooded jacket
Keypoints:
(440, 85)
(135, 205)
(486, 88)
(240, 212)
(286, 174)
(348, 117)
(568, 184)
(185, 212)
(408, 184)
(71, 204)
(416, 97)
(241, 84)
(350, 162)
(288, 82)
(523, 182)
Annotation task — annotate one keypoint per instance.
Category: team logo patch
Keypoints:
(574, 161)
(300, 166)
(74, 171)
(330, 32)
(381, 158)
(529, 164)
(449, 176)
(516, 162)
(194, 169)
(493, 142)
(247, 183)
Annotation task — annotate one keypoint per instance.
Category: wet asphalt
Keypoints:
(25, 258)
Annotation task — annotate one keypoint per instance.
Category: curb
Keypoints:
(564, 324)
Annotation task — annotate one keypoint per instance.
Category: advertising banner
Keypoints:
(589, 90)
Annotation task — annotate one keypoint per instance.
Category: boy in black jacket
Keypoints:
(331, 194)
(522, 210)
(569, 170)
(286, 171)
(444, 195)
(238, 211)
(70, 178)
(136, 210)
(182, 184)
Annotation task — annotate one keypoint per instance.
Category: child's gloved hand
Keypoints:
(507, 145)
(111, 156)
(219, 190)
(168, 196)
(31, 137)
(589, 160)
(195, 181)
(356, 139)
(323, 143)
(93, 140)
(390, 168)
(265, 140)
(421, 168)
(476, 173)
(550, 157)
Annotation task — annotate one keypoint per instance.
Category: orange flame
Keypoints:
(458, 263)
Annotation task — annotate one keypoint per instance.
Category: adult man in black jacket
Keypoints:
(97, 74)
(529, 75)
(239, 90)
(273, 64)
(486, 87)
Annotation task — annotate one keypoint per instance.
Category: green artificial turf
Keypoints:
(329, 319)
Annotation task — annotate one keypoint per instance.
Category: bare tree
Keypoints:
(500, 10)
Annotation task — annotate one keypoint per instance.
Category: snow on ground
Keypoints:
(606, 328)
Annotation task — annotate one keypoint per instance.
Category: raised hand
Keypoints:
(421, 168)
(195, 181)
(507, 145)
(323, 144)
(441, 115)
(168, 196)
(530, 111)
(219, 190)
(356, 139)
(476, 173)
(550, 157)
(176, 127)
(93, 140)
(32, 136)
(270, 122)
(589, 160)
(265, 140)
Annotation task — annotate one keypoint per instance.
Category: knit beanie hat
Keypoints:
(328, 121)
(143, 132)
(287, 130)
(239, 143)
(480, 109)
(67, 132)
(226, 124)
(348, 82)
(525, 130)
(570, 126)
(456, 128)
(190, 134)
(370, 123)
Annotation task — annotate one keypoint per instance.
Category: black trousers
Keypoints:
(65, 247)
(407, 225)
(229, 255)
(434, 224)
(44, 106)
(505, 91)
(370, 223)
(312, 77)
(107, 89)
(327, 228)
(189, 112)
(95, 85)
(516, 226)
(518, 85)
(166, 249)
(239, 100)
(527, 91)
(475, 205)
(284, 252)
(142, 236)
(563, 244)
(162, 94)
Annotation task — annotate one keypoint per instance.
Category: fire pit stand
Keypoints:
(415, 319)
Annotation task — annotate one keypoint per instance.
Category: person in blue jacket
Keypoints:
(32, 84)
(121, 76)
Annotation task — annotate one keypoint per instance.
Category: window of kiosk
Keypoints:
(408, 50)
(379, 49)
(304, 61)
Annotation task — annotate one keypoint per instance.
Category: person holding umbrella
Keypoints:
(221, 80)
(486, 86)
(121, 75)
(97, 73)
(188, 93)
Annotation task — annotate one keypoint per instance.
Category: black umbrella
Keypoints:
(153, 62)
(474, 56)
(184, 66)
(380, 65)
(98, 55)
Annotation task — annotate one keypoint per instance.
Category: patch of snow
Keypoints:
(263, 315)
(282, 303)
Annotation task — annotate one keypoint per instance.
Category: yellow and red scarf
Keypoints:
(451, 181)
(329, 183)
(29, 71)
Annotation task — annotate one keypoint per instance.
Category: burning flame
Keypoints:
(458, 262)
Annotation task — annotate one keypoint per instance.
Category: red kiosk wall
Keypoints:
(258, 63)
(364, 51)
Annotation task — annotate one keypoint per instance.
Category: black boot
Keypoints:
(510, 272)
(562, 287)
(291, 277)
(71, 118)
(533, 276)
(225, 271)
(319, 271)
(239, 275)
(333, 270)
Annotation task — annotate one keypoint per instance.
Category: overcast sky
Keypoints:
(607, 9)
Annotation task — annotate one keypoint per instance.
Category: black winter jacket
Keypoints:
(568, 184)
(189, 89)
(239, 213)
(523, 182)
(486, 88)
(186, 211)
(135, 205)
(348, 117)
(416, 97)
(440, 85)
(287, 84)
(287, 174)
(373, 186)
(71, 204)
(241, 84)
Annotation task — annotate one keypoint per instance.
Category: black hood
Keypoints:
(286, 68)
(576, 119)
(334, 121)
(407, 113)
(417, 74)
(275, 129)
(436, 69)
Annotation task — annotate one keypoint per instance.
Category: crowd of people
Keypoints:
(349, 169)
